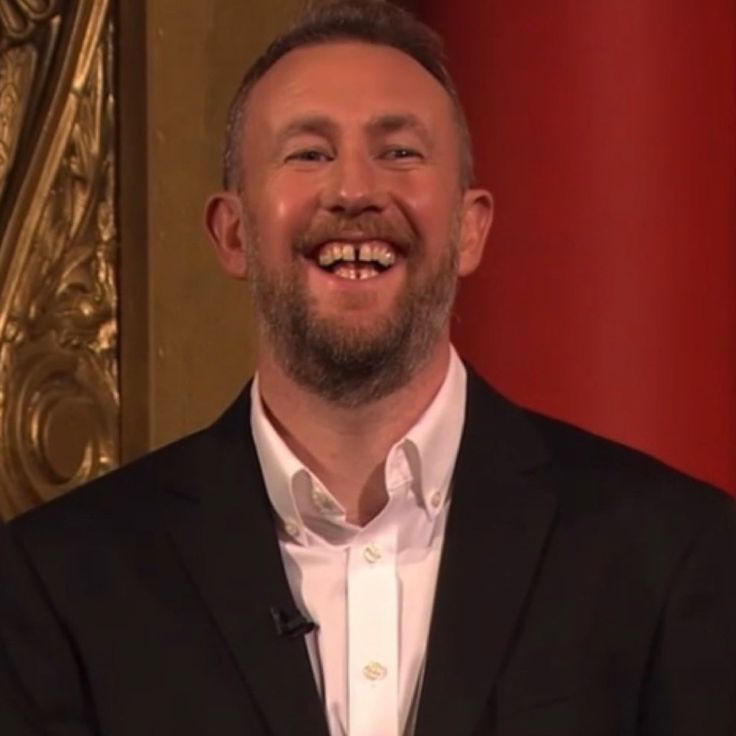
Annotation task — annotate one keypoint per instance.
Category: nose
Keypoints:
(353, 186)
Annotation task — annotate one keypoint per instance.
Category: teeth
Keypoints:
(353, 273)
(348, 253)
(385, 256)
(346, 272)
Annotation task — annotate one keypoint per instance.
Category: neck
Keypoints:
(347, 447)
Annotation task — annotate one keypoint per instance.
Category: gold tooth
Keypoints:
(348, 252)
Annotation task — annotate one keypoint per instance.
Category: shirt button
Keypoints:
(374, 671)
(291, 528)
(435, 499)
(372, 553)
(322, 502)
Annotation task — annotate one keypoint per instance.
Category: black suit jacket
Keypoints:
(584, 589)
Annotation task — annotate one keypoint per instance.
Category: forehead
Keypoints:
(351, 82)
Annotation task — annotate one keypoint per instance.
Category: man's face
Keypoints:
(352, 215)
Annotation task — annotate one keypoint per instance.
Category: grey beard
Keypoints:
(349, 366)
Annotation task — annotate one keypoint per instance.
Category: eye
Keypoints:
(401, 153)
(309, 155)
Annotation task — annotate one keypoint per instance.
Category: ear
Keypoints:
(223, 216)
(476, 219)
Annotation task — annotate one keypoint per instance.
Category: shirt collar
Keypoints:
(433, 442)
(430, 447)
(280, 467)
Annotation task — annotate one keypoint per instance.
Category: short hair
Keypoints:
(371, 21)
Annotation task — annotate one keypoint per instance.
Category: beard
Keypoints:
(352, 364)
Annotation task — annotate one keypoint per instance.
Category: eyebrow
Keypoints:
(306, 125)
(379, 125)
(397, 122)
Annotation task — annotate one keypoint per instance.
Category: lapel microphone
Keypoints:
(291, 626)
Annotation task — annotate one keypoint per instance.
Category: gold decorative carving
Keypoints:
(19, 18)
(59, 403)
(17, 67)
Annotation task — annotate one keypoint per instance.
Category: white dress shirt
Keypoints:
(369, 589)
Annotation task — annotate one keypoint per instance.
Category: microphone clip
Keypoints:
(291, 626)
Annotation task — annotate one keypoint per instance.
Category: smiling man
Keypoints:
(370, 541)
(348, 212)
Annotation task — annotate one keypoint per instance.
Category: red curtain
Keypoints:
(607, 132)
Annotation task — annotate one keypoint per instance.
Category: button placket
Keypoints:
(373, 638)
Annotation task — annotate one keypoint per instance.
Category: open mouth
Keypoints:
(355, 261)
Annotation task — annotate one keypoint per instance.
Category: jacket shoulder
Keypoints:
(103, 503)
(127, 493)
(603, 471)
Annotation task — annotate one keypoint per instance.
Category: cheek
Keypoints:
(432, 210)
(289, 196)
(281, 211)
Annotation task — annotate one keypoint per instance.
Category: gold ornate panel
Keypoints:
(59, 400)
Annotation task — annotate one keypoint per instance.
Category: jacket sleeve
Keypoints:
(42, 690)
(690, 689)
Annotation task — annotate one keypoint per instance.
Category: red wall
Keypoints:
(607, 132)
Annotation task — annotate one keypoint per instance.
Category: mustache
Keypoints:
(362, 227)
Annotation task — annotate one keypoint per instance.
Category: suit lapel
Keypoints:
(221, 523)
(500, 518)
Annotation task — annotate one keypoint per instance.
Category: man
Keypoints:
(370, 541)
